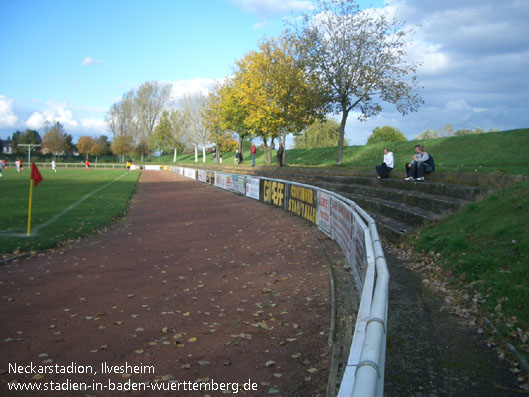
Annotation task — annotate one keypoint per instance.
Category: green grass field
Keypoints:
(495, 152)
(51, 201)
(487, 247)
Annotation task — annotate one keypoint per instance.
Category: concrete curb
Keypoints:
(5, 261)
(470, 179)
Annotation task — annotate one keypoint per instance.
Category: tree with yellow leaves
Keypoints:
(225, 116)
(84, 146)
(277, 95)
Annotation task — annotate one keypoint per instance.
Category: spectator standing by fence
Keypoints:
(252, 152)
(280, 151)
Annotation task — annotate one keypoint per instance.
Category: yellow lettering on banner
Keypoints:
(267, 191)
(302, 209)
(294, 206)
(277, 193)
(303, 194)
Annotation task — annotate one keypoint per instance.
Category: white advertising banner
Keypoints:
(190, 173)
(221, 180)
(341, 226)
(201, 175)
(150, 167)
(324, 212)
(252, 188)
(237, 184)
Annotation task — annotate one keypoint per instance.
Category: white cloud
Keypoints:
(260, 25)
(94, 124)
(54, 111)
(90, 61)
(273, 7)
(432, 59)
(8, 117)
(474, 58)
(183, 87)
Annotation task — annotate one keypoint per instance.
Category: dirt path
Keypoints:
(199, 283)
(431, 352)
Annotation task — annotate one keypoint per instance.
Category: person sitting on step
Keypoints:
(422, 164)
(384, 169)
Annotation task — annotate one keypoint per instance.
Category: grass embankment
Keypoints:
(55, 194)
(487, 248)
(495, 152)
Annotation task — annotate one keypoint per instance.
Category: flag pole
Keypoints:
(32, 182)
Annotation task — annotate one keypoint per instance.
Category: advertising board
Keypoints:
(302, 201)
(238, 184)
(252, 188)
(341, 226)
(190, 173)
(272, 192)
(324, 212)
(221, 180)
(210, 177)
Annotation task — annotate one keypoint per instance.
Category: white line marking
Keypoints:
(37, 228)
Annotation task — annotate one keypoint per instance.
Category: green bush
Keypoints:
(386, 134)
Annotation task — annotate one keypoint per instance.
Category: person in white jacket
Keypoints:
(384, 169)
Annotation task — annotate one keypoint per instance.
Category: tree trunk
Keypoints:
(284, 147)
(266, 151)
(218, 153)
(203, 153)
(174, 156)
(272, 147)
(341, 137)
(196, 153)
(241, 140)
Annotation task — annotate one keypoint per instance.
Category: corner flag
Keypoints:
(35, 174)
(35, 178)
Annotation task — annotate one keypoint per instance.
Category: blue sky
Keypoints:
(68, 61)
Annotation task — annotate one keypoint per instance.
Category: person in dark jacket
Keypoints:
(422, 164)
(280, 151)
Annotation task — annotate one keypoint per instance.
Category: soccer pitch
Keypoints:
(66, 204)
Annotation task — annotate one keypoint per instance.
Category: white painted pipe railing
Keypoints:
(70, 165)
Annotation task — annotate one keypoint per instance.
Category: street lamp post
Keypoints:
(29, 146)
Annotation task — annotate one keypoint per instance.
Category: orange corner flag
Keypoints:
(35, 174)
